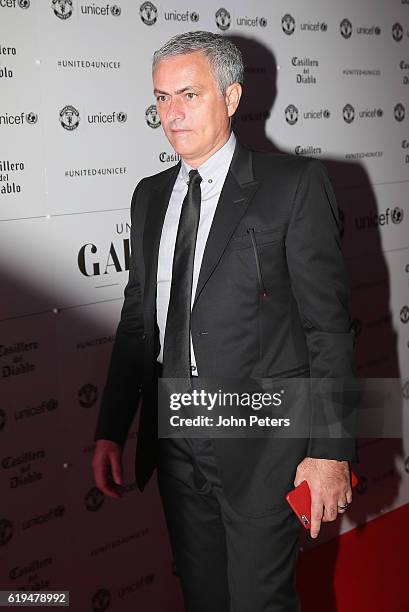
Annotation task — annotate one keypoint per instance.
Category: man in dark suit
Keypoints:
(236, 272)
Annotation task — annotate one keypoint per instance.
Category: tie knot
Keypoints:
(194, 177)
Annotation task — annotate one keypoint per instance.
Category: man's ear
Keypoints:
(232, 98)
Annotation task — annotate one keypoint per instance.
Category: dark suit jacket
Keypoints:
(300, 327)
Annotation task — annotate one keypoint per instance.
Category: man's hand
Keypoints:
(330, 487)
(107, 468)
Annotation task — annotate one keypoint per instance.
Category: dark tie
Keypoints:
(176, 350)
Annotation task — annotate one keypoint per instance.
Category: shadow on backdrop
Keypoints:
(375, 346)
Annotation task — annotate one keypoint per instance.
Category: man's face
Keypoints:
(193, 113)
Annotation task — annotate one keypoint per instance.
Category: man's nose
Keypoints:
(175, 110)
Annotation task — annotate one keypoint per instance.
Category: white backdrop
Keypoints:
(78, 129)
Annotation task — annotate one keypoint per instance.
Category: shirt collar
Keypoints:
(216, 165)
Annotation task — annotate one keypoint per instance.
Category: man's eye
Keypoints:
(190, 95)
(160, 98)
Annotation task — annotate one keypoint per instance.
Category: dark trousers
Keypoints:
(226, 561)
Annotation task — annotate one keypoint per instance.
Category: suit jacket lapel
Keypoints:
(238, 190)
(237, 193)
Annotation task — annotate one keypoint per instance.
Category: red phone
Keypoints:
(300, 500)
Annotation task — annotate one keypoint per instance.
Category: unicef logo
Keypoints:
(291, 114)
(87, 395)
(397, 214)
(399, 112)
(94, 499)
(148, 13)
(69, 118)
(345, 27)
(348, 113)
(101, 600)
(263, 22)
(122, 117)
(397, 32)
(404, 314)
(62, 8)
(194, 17)
(115, 10)
(288, 24)
(31, 118)
(323, 27)
(152, 117)
(223, 19)
(24, 4)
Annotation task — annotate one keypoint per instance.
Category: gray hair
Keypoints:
(224, 57)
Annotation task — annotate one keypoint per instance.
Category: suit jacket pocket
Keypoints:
(262, 236)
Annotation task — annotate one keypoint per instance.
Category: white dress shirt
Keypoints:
(213, 172)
